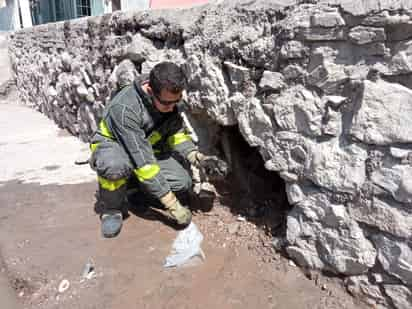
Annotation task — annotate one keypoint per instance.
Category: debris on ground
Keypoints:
(64, 286)
(185, 247)
(88, 270)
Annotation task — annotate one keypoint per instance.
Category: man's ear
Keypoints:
(149, 89)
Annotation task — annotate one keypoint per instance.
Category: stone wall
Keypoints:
(324, 91)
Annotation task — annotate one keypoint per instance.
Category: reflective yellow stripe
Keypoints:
(111, 185)
(177, 139)
(93, 146)
(147, 172)
(104, 130)
(155, 137)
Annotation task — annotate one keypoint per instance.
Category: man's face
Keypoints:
(166, 101)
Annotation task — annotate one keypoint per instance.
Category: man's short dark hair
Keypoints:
(168, 76)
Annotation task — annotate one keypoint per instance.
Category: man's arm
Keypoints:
(179, 138)
(127, 130)
(181, 142)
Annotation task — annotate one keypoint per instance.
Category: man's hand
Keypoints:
(174, 210)
(212, 166)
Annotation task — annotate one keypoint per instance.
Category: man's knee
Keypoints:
(114, 170)
(111, 165)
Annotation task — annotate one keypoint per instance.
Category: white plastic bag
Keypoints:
(185, 247)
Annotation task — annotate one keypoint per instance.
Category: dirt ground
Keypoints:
(48, 233)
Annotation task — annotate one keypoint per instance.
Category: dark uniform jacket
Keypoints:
(131, 120)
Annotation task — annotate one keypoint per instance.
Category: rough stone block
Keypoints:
(364, 7)
(321, 34)
(399, 32)
(401, 296)
(359, 286)
(293, 72)
(327, 20)
(401, 61)
(139, 48)
(383, 18)
(363, 35)
(332, 123)
(336, 167)
(389, 218)
(299, 110)
(312, 227)
(382, 114)
(254, 124)
(400, 153)
(272, 81)
(396, 181)
(395, 257)
(293, 50)
(294, 193)
(329, 77)
(305, 258)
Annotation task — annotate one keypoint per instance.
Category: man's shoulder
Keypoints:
(128, 95)
(124, 91)
(126, 100)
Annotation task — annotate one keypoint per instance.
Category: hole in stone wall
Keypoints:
(255, 192)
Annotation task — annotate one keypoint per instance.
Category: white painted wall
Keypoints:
(107, 4)
(16, 19)
(135, 4)
(25, 13)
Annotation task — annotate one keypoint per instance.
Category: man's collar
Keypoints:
(143, 94)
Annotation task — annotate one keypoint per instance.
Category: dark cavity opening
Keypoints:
(255, 192)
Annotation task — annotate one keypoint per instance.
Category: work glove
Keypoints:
(211, 166)
(174, 210)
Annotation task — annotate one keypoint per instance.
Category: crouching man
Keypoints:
(140, 129)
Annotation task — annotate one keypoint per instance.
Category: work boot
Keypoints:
(111, 223)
